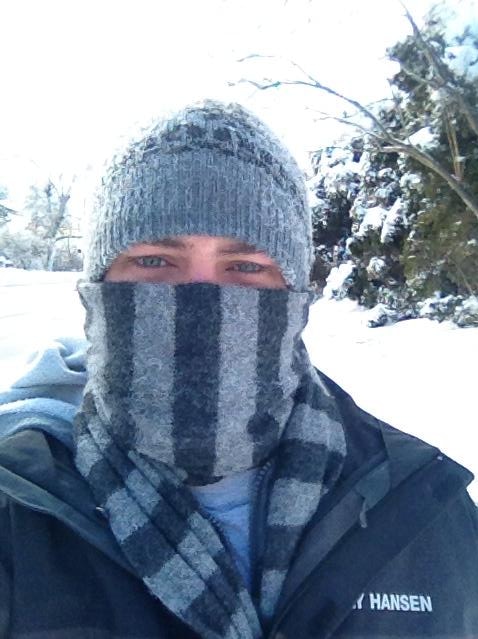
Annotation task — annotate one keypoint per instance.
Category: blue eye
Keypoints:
(151, 261)
(248, 267)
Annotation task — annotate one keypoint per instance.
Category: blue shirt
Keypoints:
(228, 504)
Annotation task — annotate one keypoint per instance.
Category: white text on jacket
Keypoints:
(392, 601)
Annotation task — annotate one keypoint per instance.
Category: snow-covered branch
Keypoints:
(380, 132)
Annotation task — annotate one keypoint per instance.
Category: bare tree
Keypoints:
(50, 219)
(57, 219)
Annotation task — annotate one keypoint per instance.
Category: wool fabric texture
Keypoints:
(213, 169)
(188, 383)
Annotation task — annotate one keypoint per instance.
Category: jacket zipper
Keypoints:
(257, 528)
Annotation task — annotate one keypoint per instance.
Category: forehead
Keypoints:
(213, 244)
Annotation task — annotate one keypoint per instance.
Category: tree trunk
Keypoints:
(55, 227)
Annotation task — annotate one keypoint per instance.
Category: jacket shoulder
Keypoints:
(38, 472)
(367, 436)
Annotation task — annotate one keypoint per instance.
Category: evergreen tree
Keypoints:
(441, 253)
(408, 212)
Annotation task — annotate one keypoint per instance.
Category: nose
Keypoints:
(202, 269)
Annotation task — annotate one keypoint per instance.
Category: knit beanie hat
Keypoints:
(212, 169)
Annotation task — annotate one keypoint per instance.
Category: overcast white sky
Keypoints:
(78, 74)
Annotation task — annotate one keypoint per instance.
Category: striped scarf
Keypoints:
(187, 384)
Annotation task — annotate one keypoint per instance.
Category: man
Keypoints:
(214, 483)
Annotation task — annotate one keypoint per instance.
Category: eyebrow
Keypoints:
(232, 248)
(239, 247)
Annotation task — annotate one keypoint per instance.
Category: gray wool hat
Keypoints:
(212, 169)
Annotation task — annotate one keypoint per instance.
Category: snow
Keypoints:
(380, 315)
(418, 375)
(393, 219)
(35, 305)
(383, 192)
(409, 180)
(314, 199)
(459, 17)
(466, 314)
(428, 306)
(336, 170)
(461, 34)
(336, 281)
(424, 138)
(376, 266)
(339, 160)
(471, 304)
(21, 277)
(463, 60)
(387, 174)
(373, 219)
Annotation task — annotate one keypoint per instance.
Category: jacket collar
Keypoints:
(38, 472)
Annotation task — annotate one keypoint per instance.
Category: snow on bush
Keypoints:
(394, 221)
(466, 313)
(392, 217)
(463, 311)
(461, 34)
(463, 59)
(410, 181)
(339, 281)
(380, 315)
(383, 193)
(372, 220)
(438, 307)
(422, 138)
(376, 268)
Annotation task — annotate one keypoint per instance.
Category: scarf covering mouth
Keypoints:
(190, 383)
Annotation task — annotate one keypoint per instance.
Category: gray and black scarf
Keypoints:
(188, 384)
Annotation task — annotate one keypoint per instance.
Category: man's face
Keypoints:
(197, 258)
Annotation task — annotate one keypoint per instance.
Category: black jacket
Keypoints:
(391, 552)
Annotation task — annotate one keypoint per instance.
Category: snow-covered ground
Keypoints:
(34, 305)
(418, 375)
